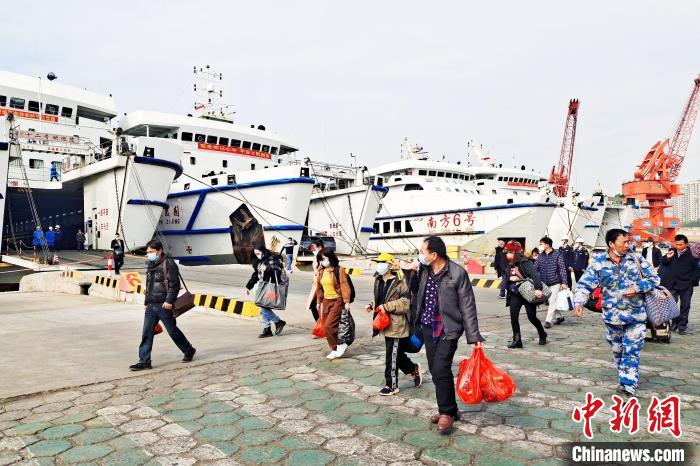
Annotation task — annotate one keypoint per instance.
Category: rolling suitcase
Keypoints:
(658, 334)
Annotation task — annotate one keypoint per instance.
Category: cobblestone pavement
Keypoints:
(297, 408)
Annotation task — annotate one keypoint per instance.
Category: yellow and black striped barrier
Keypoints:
(72, 274)
(227, 305)
(486, 282)
(106, 281)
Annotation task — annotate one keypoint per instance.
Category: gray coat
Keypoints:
(456, 302)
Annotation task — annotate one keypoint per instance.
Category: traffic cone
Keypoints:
(110, 264)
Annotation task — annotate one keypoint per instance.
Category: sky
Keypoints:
(359, 77)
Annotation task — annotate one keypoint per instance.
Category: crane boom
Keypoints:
(681, 137)
(561, 174)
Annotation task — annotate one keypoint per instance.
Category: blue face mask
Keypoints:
(422, 260)
(152, 256)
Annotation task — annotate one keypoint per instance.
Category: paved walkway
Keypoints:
(295, 407)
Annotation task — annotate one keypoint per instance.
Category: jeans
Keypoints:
(396, 359)
(268, 316)
(155, 313)
(681, 322)
(553, 303)
(440, 355)
(290, 259)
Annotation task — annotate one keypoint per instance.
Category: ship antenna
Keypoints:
(208, 98)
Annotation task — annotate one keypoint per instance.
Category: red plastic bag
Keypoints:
(469, 378)
(318, 331)
(496, 385)
(480, 380)
(381, 320)
(157, 329)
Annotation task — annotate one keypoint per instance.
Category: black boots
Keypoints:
(516, 342)
(279, 325)
(140, 366)
(543, 339)
(267, 332)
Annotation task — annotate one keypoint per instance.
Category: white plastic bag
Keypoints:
(565, 300)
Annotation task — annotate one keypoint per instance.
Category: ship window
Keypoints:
(224, 163)
(36, 163)
(186, 136)
(458, 190)
(528, 193)
(223, 141)
(441, 174)
(376, 227)
(409, 228)
(33, 106)
(478, 204)
(211, 139)
(386, 227)
(67, 112)
(431, 173)
(397, 226)
(235, 143)
(16, 103)
(266, 149)
(187, 186)
(246, 144)
(50, 109)
(273, 150)
(3, 100)
(193, 161)
(448, 175)
(413, 187)
(515, 193)
(252, 166)
(422, 172)
(231, 179)
(199, 138)
(510, 201)
(398, 179)
(214, 181)
(493, 191)
(256, 146)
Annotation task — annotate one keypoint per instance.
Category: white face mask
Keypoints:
(325, 263)
(315, 252)
(258, 255)
(541, 247)
(382, 268)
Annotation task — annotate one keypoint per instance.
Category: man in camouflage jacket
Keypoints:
(623, 284)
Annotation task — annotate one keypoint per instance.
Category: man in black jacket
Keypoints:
(162, 287)
(680, 277)
(443, 308)
(651, 253)
(500, 264)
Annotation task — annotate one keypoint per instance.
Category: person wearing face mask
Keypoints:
(581, 258)
(444, 309)
(391, 295)
(521, 268)
(651, 253)
(161, 293)
(311, 303)
(267, 267)
(623, 285)
(680, 278)
(333, 294)
(568, 253)
(534, 254)
(553, 271)
(288, 249)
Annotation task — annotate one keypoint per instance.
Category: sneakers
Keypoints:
(189, 356)
(140, 366)
(559, 320)
(267, 332)
(340, 350)
(501, 297)
(386, 391)
(418, 376)
(547, 325)
(279, 325)
(332, 355)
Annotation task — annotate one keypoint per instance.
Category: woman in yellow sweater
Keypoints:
(333, 295)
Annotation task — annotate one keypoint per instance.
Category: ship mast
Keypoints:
(208, 98)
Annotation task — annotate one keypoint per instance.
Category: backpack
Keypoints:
(336, 271)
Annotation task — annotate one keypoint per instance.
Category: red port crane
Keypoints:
(561, 174)
(654, 180)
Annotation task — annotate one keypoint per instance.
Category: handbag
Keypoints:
(565, 300)
(346, 328)
(659, 303)
(185, 301)
(527, 290)
(271, 295)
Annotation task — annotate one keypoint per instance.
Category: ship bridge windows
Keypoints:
(212, 139)
(409, 227)
(89, 113)
(154, 131)
(186, 136)
(397, 226)
(36, 163)
(223, 141)
(266, 149)
(246, 144)
(33, 106)
(199, 138)
(16, 102)
(3, 100)
(256, 146)
(386, 227)
(441, 174)
(422, 172)
(273, 150)
(51, 109)
(235, 143)
(484, 176)
(431, 173)
(413, 187)
(287, 150)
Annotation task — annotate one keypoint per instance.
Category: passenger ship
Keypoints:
(469, 207)
(237, 186)
(68, 168)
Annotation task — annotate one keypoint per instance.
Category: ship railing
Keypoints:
(44, 173)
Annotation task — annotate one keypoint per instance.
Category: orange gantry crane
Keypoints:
(654, 181)
(561, 174)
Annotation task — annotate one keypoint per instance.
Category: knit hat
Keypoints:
(513, 246)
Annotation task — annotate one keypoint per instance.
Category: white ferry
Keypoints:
(469, 207)
(236, 188)
(67, 167)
